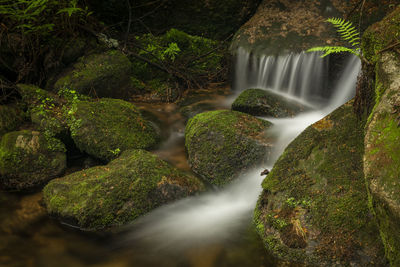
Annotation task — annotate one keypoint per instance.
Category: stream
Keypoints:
(211, 229)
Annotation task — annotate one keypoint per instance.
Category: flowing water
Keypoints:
(211, 229)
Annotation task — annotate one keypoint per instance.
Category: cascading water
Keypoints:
(216, 216)
(296, 75)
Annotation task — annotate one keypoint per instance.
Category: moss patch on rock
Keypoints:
(260, 102)
(222, 143)
(314, 204)
(381, 35)
(107, 127)
(101, 75)
(28, 159)
(119, 192)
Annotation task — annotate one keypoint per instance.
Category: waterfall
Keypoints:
(216, 216)
(298, 75)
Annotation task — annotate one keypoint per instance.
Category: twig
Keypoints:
(388, 47)
(129, 22)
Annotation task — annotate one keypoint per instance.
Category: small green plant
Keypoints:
(291, 202)
(348, 33)
(171, 51)
(115, 152)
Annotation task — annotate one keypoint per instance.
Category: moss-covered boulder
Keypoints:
(260, 102)
(11, 116)
(102, 75)
(382, 138)
(29, 159)
(314, 205)
(119, 192)
(107, 127)
(222, 143)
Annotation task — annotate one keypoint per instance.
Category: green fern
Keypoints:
(346, 30)
(348, 33)
(333, 49)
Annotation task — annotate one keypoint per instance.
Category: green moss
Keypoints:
(222, 143)
(101, 127)
(380, 35)
(102, 75)
(27, 161)
(322, 168)
(119, 192)
(260, 102)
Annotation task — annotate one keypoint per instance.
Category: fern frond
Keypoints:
(346, 30)
(332, 49)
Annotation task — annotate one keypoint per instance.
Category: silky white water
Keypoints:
(216, 216)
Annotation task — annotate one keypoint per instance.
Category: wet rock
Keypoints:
(221, 144)
(29, 159)
(382, 139)
(314, 205)
(260, 102)
(119, 192)
(101, 75)
(107, 127)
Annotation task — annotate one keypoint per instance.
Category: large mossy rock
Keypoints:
(119, 192)
(29, 159)
(101, 75)
(222, 143)
(109, 126)
(314, 205)
(11, 116)
(382, 139)
(260, 102)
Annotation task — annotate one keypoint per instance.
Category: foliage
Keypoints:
(348, 33)
(34, 32)
(39, 16)
(181, 59)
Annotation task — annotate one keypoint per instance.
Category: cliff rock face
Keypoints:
(382, 138)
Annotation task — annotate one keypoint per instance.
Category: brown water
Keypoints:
(28, 237)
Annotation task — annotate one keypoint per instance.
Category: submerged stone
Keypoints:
(222, 143)
(29, 159)
(314, 205)
(107, 127)
(119, 192)
(101, 75)
(260, 102)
